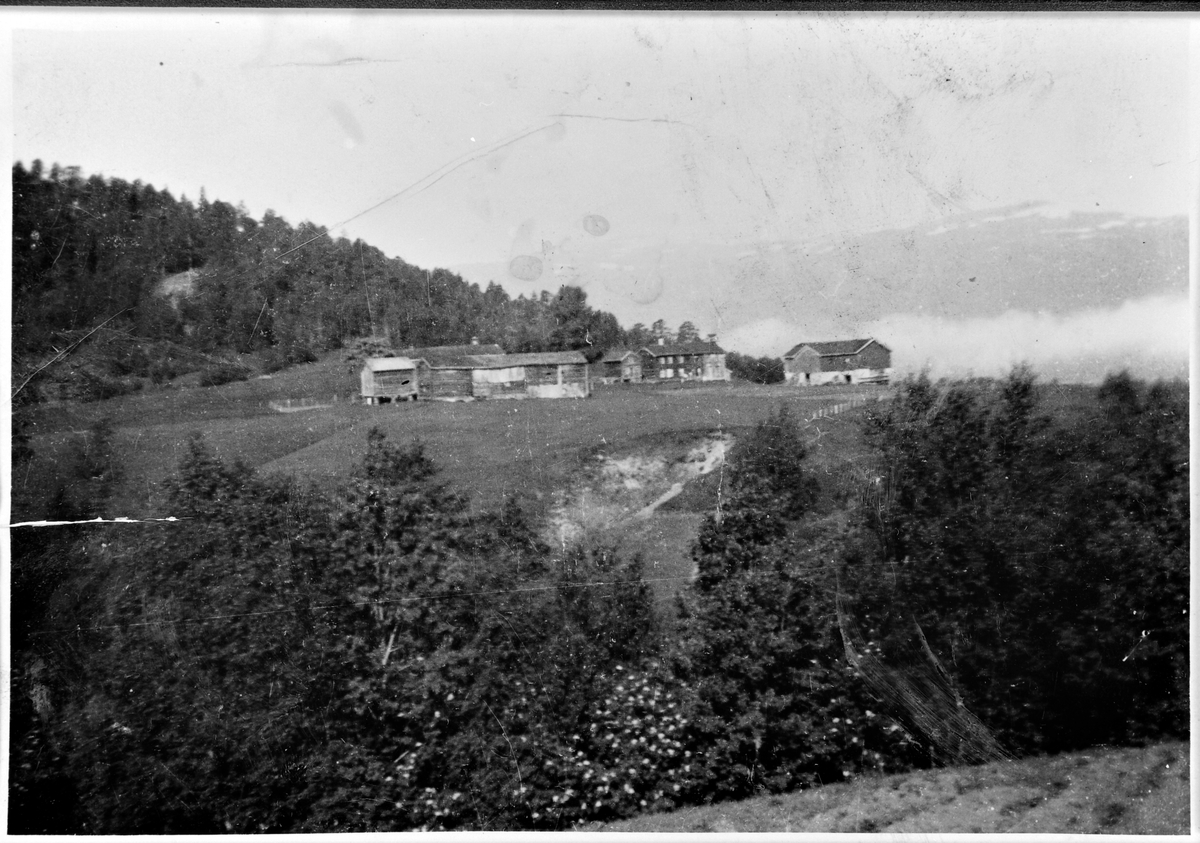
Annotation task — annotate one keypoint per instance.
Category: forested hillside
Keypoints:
(89, 248)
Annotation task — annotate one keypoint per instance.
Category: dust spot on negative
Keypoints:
(595, 225)
(555, 132)
(525, 267)
(647, 289)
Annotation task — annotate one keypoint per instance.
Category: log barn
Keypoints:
(389, 379)
(549, 374)
(446, 374)
(471, 372)
(621, 365)
(840, 361)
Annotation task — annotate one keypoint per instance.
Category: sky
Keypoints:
(675, 166)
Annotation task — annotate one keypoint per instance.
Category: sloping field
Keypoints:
(489, 449)
(1108, 791)
(495, 449)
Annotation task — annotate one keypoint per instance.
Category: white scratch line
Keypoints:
(121, 520)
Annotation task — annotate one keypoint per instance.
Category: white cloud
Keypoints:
(1149, 336)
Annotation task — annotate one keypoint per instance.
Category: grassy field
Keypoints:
(549, 454)
(489, 449)
(1108, 791)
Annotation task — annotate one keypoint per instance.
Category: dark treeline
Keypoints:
(764, 370)
(85, 249)
(1003, 580)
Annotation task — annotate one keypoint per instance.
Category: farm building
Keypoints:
(695, 360)
(469, 372)
(446, 374)
(550, 374)
(621, 365)
(840, 361)
(389, 379)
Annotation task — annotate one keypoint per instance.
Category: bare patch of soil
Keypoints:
(619, 488)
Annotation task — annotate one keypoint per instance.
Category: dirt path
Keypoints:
(675, 491)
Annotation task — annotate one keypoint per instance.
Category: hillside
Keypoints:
(559, 683)
(1099, 791)
(491, 449)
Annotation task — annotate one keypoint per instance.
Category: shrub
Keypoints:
(371, 660)
(772, 699)
(1047, 567)
(764, 370)
(223, 373)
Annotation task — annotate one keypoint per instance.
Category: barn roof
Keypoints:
(538, 358)
(835, 348)
(389, 364)
(453, 356)
(674, 348)
(616, 355)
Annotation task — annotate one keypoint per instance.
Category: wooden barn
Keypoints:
(621, 365)
(695, 360)
(550, 374)
(446, 375)
(840, 361)
(471, 372)
(389, 379)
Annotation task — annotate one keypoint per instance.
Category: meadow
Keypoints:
(1133, 790)
(491, 450)
(636, 470)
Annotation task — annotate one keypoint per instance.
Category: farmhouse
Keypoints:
(470, 372)
(621, 365)
(840, 361)
(389, 379)
(694, 360)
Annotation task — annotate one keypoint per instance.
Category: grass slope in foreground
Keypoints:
(1108, 791)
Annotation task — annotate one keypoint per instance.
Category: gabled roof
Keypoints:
(453, 356)
(389, 364)
(835, 348)
(536, 358)
(616, 355)
(677, 348)
(490, 357)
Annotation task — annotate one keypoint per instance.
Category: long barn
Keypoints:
(548, 374)
(471, 372)
(840, 361)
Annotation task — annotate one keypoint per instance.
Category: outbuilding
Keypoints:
(865, 361)
(471, 372)
(549, 374)
(621, 365)
(389, 379)
(446, 375)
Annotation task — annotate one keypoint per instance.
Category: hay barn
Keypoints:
(621, 365)
(471, 372)
(389, 379)
(841, 361)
